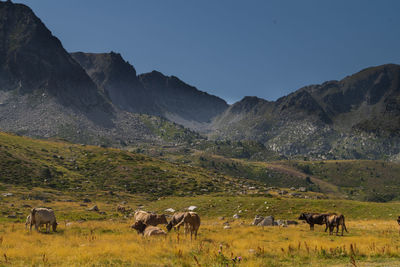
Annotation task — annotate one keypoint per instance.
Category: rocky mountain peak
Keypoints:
(33, 60)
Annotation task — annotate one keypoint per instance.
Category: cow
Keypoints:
(335, 220)
(150, 218)
(314, 218)
(43, 216)
(176, 218)
(148, 230)
(192, 223)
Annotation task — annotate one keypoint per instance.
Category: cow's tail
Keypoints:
(343, 224)
(180, 223)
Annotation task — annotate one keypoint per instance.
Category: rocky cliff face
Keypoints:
(150, 93)
(32, 60)
(357, 117)
(44, 92)
(118, 80)
(181, 102)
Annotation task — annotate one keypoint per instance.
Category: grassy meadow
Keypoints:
(86, 238)
(71, 178)
(112, 242)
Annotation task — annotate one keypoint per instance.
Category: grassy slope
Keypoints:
(353, 179)
(359, 179)
(66, 167)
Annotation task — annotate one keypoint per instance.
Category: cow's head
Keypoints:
(169, 226)
(302, 216)
(55, 226)
(162, 219)
(139, 226)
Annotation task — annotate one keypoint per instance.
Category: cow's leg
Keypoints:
(326, 227)
(311, 226)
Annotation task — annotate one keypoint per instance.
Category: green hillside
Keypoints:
(67, 167)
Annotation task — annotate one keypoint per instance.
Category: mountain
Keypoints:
(32, 60)
(357, 117)
(118, 80)
(44, 92)
(151, 93)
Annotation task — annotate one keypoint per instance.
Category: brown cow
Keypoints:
(147, 230)
(176, 218)
(314, 218)
(336, 220)
(192, 223)
(150, 218)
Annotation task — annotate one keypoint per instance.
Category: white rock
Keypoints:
(170, 210)
(192, 208)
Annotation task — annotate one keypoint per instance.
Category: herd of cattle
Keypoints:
(146, 222)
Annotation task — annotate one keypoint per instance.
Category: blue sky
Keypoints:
(233, 48)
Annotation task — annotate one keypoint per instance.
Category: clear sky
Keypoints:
(233, 48)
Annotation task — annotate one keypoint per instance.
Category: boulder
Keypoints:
(94, 208)
(170, 210)
(86, 200)
(236, 216)
(227, 227)
(302, 189)
(192, 208)
(267, 221)
(257, 220)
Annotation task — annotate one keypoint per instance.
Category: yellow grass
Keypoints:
(104, 243)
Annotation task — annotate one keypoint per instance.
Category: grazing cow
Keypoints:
(147, 230)
(192, 223)
(43, 216)
(314, 218)
(150, 218)
(176, 218)
(336, 220)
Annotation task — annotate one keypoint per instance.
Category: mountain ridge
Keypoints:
(352, 114)
(151, 93)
